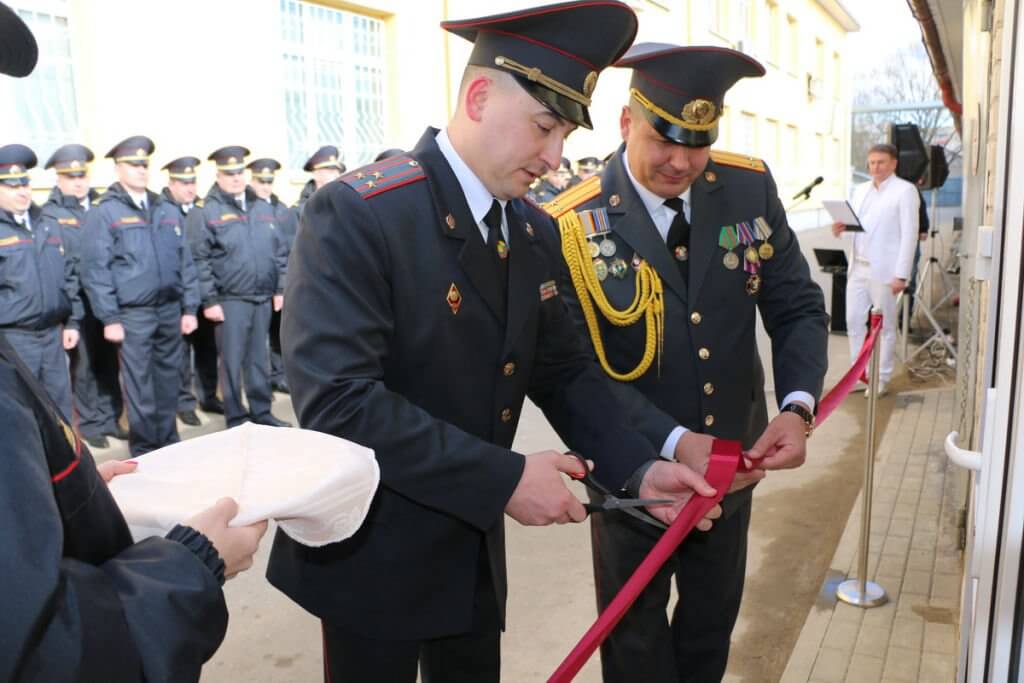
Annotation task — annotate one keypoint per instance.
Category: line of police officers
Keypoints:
(140, 288)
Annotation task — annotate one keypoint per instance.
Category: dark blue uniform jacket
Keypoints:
(132, 257)
(38, 282)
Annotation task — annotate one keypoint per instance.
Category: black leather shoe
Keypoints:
(271, 421)
(214, 406)
(189, 418)
(119, 433)
(97, 441)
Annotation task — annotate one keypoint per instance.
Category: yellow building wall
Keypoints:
(195, 75)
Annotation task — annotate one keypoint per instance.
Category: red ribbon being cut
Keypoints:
(726, 458)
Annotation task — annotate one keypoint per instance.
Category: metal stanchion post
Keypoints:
(906, 322)
(861, 592)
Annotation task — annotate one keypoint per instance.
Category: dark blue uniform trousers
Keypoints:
(200, 356)
(94, 379)
(150, 367)
(709, 570)
(42, 351)
(242, 344)
(276, 362)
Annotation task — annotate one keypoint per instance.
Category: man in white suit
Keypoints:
(882, 255)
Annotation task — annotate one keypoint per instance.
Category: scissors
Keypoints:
(612, 502)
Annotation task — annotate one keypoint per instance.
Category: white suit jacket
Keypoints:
(889, 215)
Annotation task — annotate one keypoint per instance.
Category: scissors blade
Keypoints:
(613, 503)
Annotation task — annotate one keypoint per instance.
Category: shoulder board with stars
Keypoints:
(738, 161)
(573, 197)
(370, 181)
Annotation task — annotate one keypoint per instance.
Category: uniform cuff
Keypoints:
(668, 449)
(802, 396)
(203, 548)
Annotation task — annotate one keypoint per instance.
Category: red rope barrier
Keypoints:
(725, 459)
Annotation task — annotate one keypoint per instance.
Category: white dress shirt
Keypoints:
(478, 197)
(662, 217)
(889, 214)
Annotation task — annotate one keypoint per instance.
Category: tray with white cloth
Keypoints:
(317, 487)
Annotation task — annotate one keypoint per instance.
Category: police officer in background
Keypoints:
(39, 302)
(552, 183)
(94, 364)
(138, 274)
(200, 352)
(709, 227)
(325, 165)
(585, 168)
(262, 173)
(241, 258)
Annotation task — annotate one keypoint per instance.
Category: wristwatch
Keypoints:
(804, 414)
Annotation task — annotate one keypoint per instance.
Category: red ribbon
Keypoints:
(726, 458)
(856, 373)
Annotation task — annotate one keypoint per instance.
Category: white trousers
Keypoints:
(861, 294)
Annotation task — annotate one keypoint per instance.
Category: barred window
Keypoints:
(45, 111)
(334, 81)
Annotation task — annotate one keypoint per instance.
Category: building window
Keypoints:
(745, 140)
(718, 17)
(334, 81)
(770, 146)
(793, 36)
(774, 29)
(792, 149)
(45, 111)
(837, 76)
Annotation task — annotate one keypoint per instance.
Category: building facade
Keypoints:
(283, 77)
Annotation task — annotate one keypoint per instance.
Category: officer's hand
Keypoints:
(188, 324)
(541, 497)
(783, 445)
(898, 284)
(694, 451)
(837, 229)
(214, 313)
(278, 302)
(114, 333)
(70, 339)
(236, 545)
(674, 480)
(111, 468)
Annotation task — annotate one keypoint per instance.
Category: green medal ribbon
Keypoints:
(727, 238)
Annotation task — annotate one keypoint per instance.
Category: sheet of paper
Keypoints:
(841, 212)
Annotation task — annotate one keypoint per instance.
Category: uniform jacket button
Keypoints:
(509, 369)
(704, 353)
(709, 420)
(709, 388)
(695, 318)
(506, 415)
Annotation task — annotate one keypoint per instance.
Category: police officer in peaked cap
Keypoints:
(261, 178)
(422, 309)
(140, 279)
(241, 258)
(94, 366)
(40, 309)
(708, 228)
(199, 359)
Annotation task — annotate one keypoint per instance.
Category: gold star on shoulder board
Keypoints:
(378, 175)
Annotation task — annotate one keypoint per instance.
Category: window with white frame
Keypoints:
(745, 139)
(44, 114)
(334, 75)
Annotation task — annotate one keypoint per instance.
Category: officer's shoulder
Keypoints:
(575, 197)
(382, 177)
(740, 161)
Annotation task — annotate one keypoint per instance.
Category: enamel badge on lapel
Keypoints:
(529, 230)
(450, 221)
(454, 299)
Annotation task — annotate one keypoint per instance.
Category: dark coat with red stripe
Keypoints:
(80, 601)
(38, 283)
(395, 337)
(132, 258)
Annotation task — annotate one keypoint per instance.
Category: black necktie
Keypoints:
(678, 240)
(497, 248)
